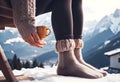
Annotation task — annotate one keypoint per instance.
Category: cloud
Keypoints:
(18, 39)
(12, 30)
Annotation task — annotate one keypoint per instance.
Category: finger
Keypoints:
(35, 43)
(28, 40)
(44, 42)
(31, 41)
(37, 39)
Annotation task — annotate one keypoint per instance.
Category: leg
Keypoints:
(62, 22)
(43, 6)
(77, 18)
(78, 25)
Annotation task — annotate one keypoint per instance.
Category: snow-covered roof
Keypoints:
(113, 52)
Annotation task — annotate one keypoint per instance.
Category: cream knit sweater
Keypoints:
(23, 11)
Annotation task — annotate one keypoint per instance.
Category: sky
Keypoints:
(97, 9)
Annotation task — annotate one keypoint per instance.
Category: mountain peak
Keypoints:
(112, 22)
(117, 13)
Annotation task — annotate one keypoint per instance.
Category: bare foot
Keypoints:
(69, 66)
(79, 57)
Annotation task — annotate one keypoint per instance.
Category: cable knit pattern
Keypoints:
(65, 45)
(24, 11)
(78, 43)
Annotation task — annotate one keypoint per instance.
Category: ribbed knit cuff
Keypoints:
(65, 45)
(78, 43)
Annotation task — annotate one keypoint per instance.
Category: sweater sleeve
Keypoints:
(23, 12)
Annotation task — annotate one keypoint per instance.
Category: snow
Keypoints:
(49, 75)
(115, 27)
(102, 29)
(112, 52)
(107, 42)
(100, 47)
(117, 13)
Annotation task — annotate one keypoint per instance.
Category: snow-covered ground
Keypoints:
(49, 75)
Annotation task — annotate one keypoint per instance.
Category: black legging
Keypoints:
(67, 17)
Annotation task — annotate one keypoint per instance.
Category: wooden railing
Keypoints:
(5, 67)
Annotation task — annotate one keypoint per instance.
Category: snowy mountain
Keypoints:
(97, 39)
(48, 57)
(111, 22)
(116, 13)
(88, 29)
(106, 28)
(96, 55)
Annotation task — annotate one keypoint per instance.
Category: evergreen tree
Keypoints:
(16, 64)
(23, 64)
(41, 65)
(19, 64)
(27, 64)
(35, 63)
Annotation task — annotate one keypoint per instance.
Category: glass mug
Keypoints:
(43, 31)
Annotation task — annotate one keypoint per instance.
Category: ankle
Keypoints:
(65, 49)
(78, 49)
(66, 58)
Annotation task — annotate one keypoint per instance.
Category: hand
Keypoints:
(29, 34)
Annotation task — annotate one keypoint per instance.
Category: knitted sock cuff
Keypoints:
(65, 45)
(78, 43)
